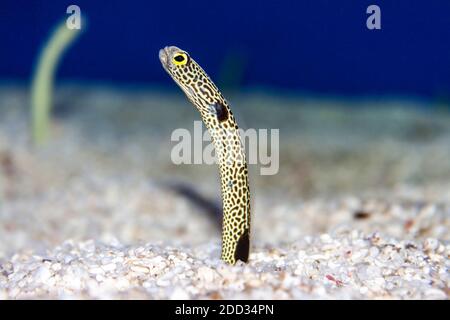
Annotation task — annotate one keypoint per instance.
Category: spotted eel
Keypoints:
(219, 120)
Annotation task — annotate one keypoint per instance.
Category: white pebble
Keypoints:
(96, 270)
(163, 282)
(431, 244)
(206, 274)
(373, 252)
(435, 294)
(56, 266)
(325, 238)
(43, 274)
(139, 269)
(179, 294)
(109, 267)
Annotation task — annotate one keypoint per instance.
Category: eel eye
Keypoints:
(180, 59)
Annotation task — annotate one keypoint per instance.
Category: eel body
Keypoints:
(219, 120)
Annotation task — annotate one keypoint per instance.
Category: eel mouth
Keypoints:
(164, 56)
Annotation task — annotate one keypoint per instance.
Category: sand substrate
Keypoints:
(360, 208)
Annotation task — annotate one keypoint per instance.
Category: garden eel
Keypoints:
(218, 118)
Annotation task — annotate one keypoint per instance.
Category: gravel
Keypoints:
(89, 216)
(349, 265)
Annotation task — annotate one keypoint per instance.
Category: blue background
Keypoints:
(314, 46)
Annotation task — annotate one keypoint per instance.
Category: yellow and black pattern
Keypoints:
(219, 120)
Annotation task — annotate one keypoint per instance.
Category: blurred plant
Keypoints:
(43, 79)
